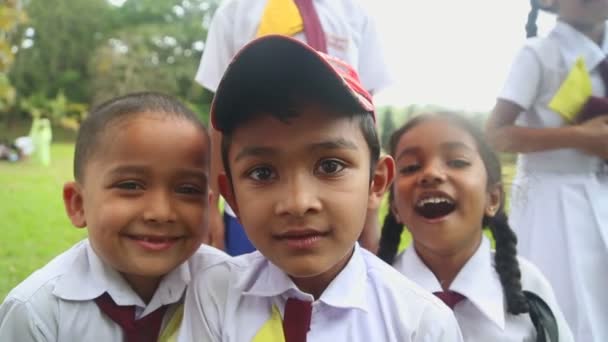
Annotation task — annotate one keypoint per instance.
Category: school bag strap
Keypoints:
(543, 319)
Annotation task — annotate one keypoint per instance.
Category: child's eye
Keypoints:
(129, 185)
(330, 166)
(189, 190)
(458, 163)
(261, 174)
(409, 169)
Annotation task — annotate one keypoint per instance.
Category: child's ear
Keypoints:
(493, 202)
(382, 178)
(73, 202)
(227, 192)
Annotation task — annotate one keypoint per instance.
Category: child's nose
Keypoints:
(300, 196)
(159, 207)
(432, 174)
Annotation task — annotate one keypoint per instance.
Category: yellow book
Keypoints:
(573, 93)
(280, 17)
(272, 330)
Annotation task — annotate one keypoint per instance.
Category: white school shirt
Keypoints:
(482, 315)
(56, 303)
(559, 198)
(367, 301)
(350, 33)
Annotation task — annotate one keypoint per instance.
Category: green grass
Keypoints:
(34, 224)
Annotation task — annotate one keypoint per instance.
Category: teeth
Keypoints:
(433, 200)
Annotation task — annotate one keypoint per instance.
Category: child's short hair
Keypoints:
(122, 108)
(278, 75)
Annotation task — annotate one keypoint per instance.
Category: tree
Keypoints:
(85, 51)
(56, 46)
(388, 126)
(11, 16)
(156, 45)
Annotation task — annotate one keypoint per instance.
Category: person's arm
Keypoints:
(523, 86)
(590, 137)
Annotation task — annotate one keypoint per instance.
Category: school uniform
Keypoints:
(482, 313)
(57, 302)
(350, 34)
(367, 301)
(559, 203)
(351, 37)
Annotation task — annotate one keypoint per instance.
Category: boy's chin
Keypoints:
(308, 268)
(151, 268)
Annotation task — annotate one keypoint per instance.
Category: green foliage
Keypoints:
(59, 109)
(11, 17)
(7, 94)
(61, 37)
(76, 53)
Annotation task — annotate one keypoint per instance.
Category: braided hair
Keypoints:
(505, 258)
(535, 7)
(531, 28)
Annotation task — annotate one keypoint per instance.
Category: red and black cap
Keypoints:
(269, 67)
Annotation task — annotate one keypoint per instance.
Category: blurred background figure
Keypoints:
(41, 136)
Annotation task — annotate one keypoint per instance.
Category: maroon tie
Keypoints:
(596, 105)
(313, 30)
(296, 322)
(141, 330)
(450, 298)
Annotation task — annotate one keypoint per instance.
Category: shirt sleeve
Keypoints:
(204, 305)
(372, 68)
(438, 323)
(218, 49)
(19, 322)
(524, 79)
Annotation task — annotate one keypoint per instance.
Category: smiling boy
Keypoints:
(140, 189)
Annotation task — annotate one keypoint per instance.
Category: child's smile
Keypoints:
(434, 205)
(154, 242)
(144, 195)
(441, 189)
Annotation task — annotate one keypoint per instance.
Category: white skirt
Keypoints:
(561, 221)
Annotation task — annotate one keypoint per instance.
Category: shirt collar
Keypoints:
(347, 290)
(477, 281)
(574, 44)
(89, 277)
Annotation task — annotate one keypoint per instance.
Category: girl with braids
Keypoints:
(446, 189)
(559, 203)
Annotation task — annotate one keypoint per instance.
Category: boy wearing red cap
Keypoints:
(303, 167)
